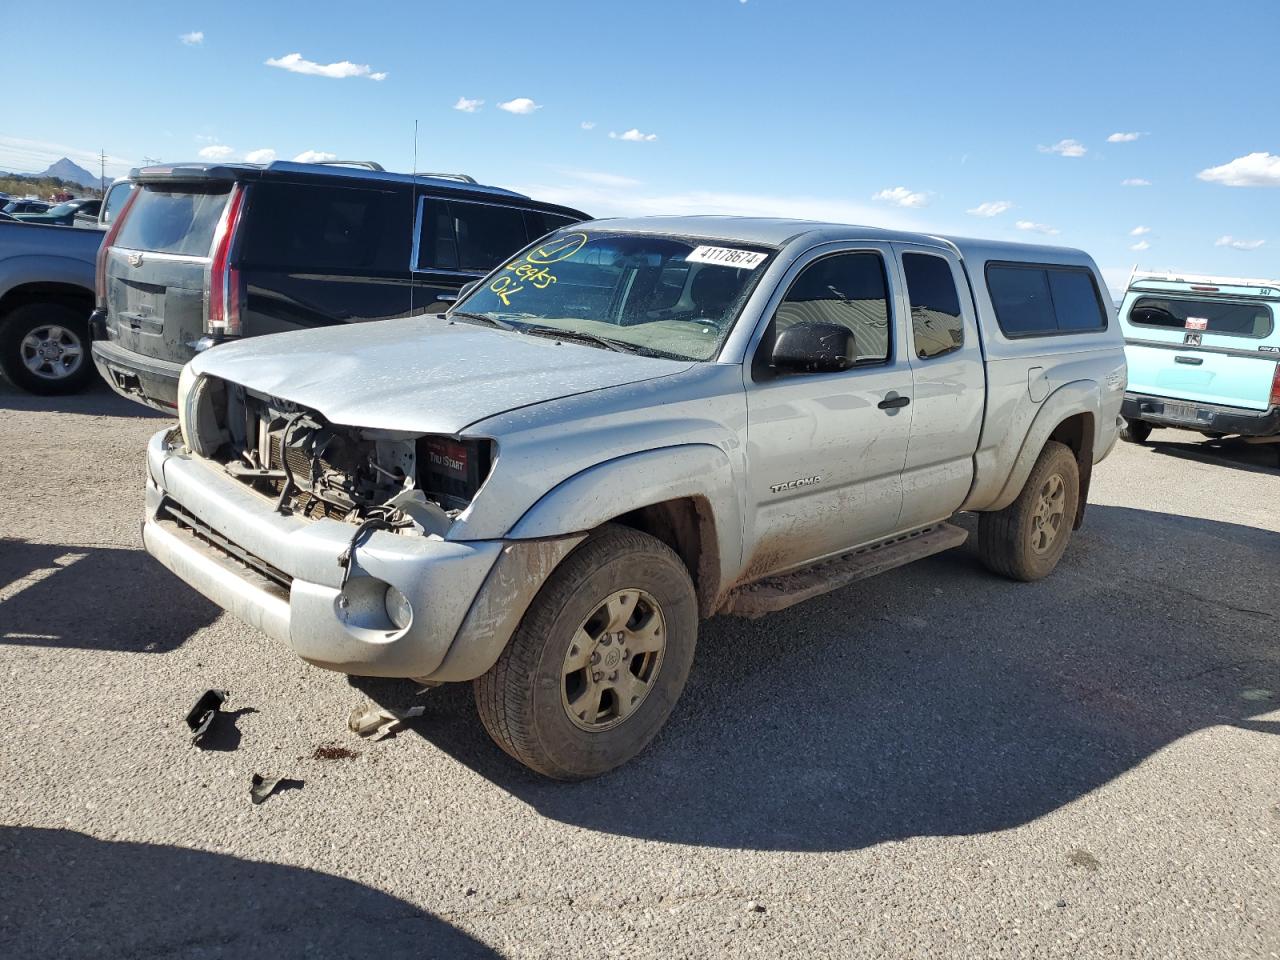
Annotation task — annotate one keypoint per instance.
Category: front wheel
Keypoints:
(44, 348)
(598, 661)
(1026, 539)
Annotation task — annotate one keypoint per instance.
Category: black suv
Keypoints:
(205, 252)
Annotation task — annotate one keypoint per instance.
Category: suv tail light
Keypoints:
(223, 318)
(1275, 387)
(100, 265)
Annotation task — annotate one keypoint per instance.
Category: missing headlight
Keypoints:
(451, 471)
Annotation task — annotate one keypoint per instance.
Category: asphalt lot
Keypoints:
(935, 763)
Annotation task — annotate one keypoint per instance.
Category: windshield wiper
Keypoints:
(617, 346)
(483, 318)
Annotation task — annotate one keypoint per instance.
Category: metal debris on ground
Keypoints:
(200, 717)
(380, 722)
(261, 787)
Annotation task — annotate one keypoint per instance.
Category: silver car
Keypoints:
(630, 426)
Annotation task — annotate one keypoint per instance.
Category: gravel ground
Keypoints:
(935, 763)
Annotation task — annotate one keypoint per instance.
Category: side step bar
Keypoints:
(777, 593)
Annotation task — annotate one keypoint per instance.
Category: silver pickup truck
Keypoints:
(627, 427)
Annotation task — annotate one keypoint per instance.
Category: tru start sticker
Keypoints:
(1197, 323)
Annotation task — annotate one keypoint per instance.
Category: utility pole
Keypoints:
(102, 171)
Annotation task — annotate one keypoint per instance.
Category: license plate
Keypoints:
(1182, 411)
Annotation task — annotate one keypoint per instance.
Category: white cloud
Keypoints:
(265, 155)
(992, 208)
(1124, 137)
(192, 39)
(633, 135)
(902, 197)
(521, 105)
(601, 179)
(1139, 231)
(294, 63)
(1234, 244)
(468, 106)
(1251, 170)
(588, 124)
(1066, 148)
(314, 156)
(1140, 246)
(1034, 227)
(216, 151)
(1135, 182)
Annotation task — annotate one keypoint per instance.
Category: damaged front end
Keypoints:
(311, 468)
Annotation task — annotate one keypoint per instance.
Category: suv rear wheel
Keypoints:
(598, 661)
(44, 348)
(1026, 539)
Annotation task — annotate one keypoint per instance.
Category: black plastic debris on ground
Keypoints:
(261, 787)
(200, 717)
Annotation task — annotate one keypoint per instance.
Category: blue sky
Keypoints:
(895, 114)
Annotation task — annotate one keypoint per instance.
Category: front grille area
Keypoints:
(274, 579)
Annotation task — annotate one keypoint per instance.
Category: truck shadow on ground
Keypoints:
(96, 400)
(1231, 452)
(78, 896)
(134, 605)
(936, 699)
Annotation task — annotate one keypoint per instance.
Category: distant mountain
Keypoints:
(67, 169)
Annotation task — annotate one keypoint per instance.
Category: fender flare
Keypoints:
(1068, 400)
(631, 482)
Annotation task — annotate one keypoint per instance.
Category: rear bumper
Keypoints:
(282, 575)
(141, 378)
(1208, 417)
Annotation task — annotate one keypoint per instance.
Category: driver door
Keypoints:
(826, 451)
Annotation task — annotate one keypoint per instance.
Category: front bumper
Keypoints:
(133, 375)
(282, 575)
(1206, 417)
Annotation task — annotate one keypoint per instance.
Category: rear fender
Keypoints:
(1079, 396)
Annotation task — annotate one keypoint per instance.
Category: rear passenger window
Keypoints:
(1039, 301)
(472, 237)
(848, 289)
(539, 224)
(293, 226)
(936, 324)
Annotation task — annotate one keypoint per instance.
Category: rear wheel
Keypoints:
(1026, 539)
(44, 348)
(1135, 431)
(598, 661)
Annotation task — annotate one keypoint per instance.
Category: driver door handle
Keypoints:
(893, 401)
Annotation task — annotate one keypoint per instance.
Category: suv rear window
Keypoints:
(1232, 319)
(1035, 300)
(326, 227)
(178, 219)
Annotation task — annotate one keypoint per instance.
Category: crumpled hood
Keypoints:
(421, 373)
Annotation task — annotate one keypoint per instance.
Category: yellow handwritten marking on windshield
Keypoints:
(505, 289)
(538, 276)
(561, 248)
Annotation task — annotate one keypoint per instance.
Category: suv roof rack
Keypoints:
(449, 176)
(367, 164)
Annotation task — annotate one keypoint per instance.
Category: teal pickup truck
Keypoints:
(1203, 354)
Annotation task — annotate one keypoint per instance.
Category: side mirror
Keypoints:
(465, 289)
(815, 348)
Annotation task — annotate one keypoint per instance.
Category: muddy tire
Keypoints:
(1026, 539)
(44, 348)
(598, 661)
(1135, 431)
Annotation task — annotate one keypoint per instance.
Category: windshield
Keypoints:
(662, 296)
(62, 208)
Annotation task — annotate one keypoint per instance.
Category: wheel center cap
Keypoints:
(612, 658)
(50, 351)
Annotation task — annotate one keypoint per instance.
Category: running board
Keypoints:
(777, 593)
